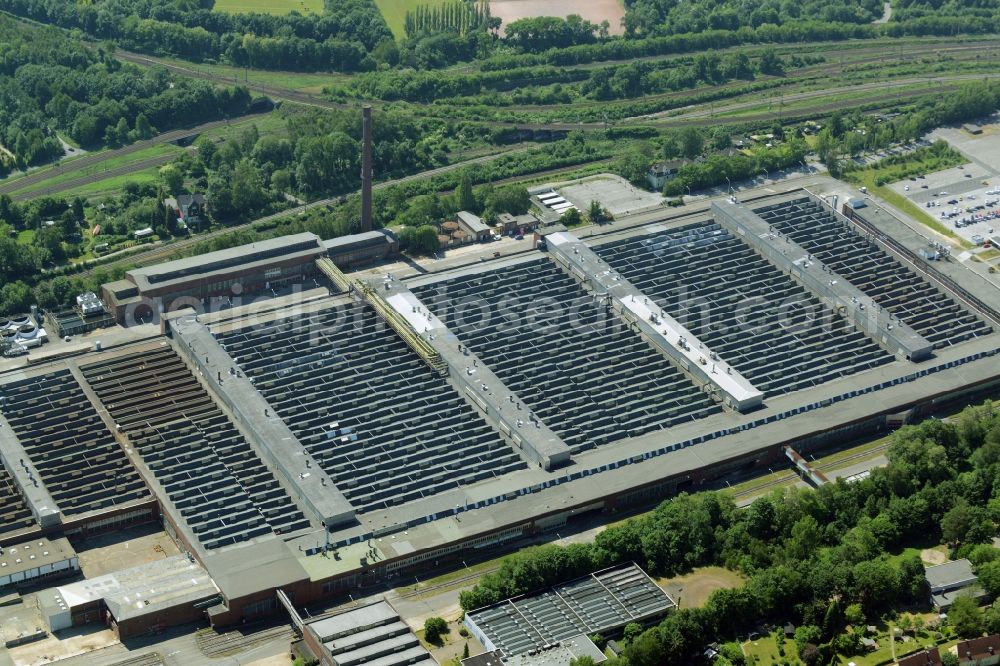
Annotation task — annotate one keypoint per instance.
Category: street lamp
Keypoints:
(688, 189)
(728, 182)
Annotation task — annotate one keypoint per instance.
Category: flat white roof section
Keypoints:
(503, 408)
(22, 470)
(892, 333)
(663, 331)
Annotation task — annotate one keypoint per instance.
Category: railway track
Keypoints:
(802, 74)
(716, 114)
(162, 252)
(151, 659)
(214, 644)
(449, 585)
(910, 51)
(40, 175)
(123, 170)
(790, 475)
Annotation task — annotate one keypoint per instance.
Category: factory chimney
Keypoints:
(366, 169)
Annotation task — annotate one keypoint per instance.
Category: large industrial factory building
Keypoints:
(301, 451)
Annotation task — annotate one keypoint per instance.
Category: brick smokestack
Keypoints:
(366, 169)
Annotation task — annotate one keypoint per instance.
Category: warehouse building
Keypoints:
(371, 634)
(269, 264)
(339, 441)
(171, 591)
(34, 561)
(601, 603)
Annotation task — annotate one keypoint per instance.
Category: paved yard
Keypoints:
(119, 550)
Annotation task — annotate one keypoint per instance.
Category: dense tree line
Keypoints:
(544, 84)
(660, 17)
(457, 16)
(341, 38)
(837, 141)
(424, 86)
(815, 557)
(793, 32)
(50, 82)
(351, 35)
(540, 33)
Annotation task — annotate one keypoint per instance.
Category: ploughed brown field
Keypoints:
(594, 11)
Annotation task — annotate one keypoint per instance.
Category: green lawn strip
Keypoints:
(763, 483)
(478, 568)
(764, 650)
(109, 186)
(905, 205)
(271, 123)
(883, 655)
(831, 461)
(277, 7)
(394, 12)
(62, 176)
(288, 80)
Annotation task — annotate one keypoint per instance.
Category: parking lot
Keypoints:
(966, 199)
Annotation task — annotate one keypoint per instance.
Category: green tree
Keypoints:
(966, 524)
(571, 217)
(805, 537)
(419, 240)
(281, 180)
(117, 135)
(172, 178)
(645, 650)
(631, 632)
(247, 188)
(15, 298)
(595, 213)
(771, 63)
(142, 127)
(855, 615)
(513, 199)
(965, 616)
(78, 204)
(949, 659)
(690, 142)
(206, 149)
(465, 651)
(807, 634)
(989, 577)
(62, 290)
(466, 199)
(585, 660)
(434, 629)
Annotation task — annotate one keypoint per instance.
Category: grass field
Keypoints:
(278, 7)
(301, 81)
(111, 186)
(692, 590)
(394, 12)
(62, 175)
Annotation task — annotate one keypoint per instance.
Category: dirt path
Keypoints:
(886, 13)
